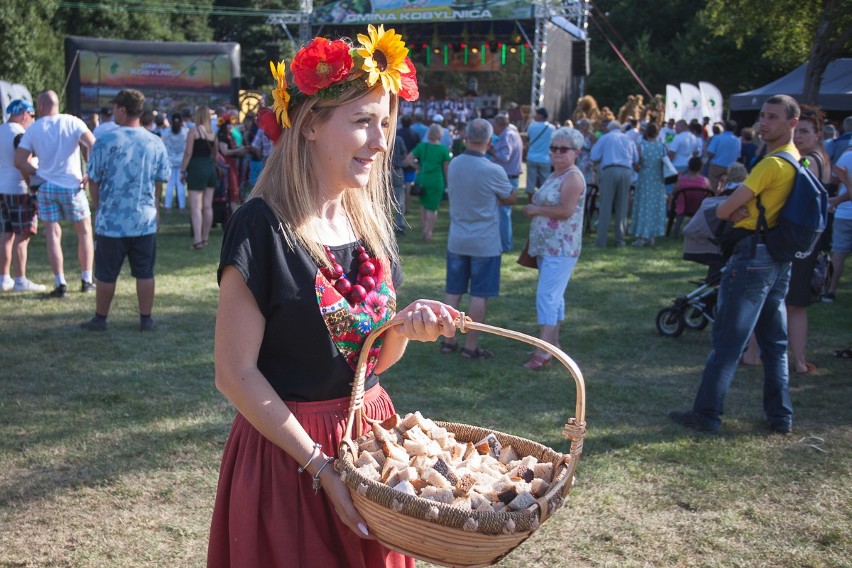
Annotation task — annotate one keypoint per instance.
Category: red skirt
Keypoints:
(267, 514)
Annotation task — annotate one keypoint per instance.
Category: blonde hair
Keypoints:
(737, 173)
(290, 187)
(434, 133)
(202, 118)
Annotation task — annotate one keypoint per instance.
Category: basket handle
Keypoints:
(462, 324)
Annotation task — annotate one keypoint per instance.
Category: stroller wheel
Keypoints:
(693, 318)
(670, 322)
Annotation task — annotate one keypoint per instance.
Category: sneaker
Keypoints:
(781, 429)
(7, 285)
(147, 325)
(28, 286)
(690, 420)
(828, 297)
(86, 287)
(59, 291)
(94, 324)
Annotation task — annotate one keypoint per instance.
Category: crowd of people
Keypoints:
(315, 242)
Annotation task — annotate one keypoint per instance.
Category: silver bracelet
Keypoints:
(317, 451)
(316, 482)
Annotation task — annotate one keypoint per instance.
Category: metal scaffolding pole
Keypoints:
(539, 48)
(302, 18)
(575, 11)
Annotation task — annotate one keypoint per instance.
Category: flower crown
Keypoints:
(327, 68)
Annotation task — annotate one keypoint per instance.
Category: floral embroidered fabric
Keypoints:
(349, 325)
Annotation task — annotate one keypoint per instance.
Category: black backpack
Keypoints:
(802, 219)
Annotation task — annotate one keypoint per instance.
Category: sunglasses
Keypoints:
(561, 149)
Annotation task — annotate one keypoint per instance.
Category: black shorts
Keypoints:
(802, 272)
(110, 253)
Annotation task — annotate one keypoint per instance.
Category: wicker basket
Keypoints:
(444, 534)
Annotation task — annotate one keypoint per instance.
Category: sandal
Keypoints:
(478, 353)
(197, 246)
(537, 362)
(449, 346)
(843, 354)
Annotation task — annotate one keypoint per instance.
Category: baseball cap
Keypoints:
(132, 100)
(438, 118)
(542, 111)
(106, 111)
(19, 106)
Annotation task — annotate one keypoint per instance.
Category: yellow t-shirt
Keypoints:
(771, 179)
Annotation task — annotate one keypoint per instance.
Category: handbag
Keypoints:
(525, 259)
(669, 171)
(416, 189)
(821, 277)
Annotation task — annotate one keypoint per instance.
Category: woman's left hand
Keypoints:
(426, 320)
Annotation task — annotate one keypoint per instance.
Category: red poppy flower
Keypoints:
(321, 63)
(267, 122)
(409, 90)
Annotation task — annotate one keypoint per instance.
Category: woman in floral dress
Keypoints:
(649, 199)
(308, 269)
(556, 235)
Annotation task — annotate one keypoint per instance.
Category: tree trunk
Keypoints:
(824, 49)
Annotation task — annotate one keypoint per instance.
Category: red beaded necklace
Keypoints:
(354, 293)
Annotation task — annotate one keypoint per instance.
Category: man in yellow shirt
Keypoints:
(753, 286)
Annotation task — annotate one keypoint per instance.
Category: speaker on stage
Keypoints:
(580, 66)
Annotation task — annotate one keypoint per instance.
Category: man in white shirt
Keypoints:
(55, 139)
(18, 207)
(107, 123)
(683, 146)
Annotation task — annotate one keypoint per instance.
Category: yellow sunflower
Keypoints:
(280, 94)
(384, 55)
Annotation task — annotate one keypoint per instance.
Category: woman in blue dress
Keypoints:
(649, 199)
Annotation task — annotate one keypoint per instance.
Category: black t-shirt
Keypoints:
(297, 354)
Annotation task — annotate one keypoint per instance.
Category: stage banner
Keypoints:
(391, 12)
(711, 101)
(691, 102)
(674, 103)
(171, 74)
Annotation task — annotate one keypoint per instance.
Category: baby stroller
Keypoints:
(697, 308)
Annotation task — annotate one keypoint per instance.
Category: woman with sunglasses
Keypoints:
(556, 235)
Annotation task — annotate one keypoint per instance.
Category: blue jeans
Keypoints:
(751, 299)
(505, 215)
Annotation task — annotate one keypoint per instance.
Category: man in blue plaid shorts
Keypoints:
(55, 139)
(18, 208)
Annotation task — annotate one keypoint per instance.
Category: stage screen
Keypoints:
(172, 75)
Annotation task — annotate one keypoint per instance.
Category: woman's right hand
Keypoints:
(338, 494)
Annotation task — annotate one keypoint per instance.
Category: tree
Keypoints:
(260, 41)
(32, 51)
(793, 31)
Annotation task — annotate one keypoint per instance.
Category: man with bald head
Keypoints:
(55, 138)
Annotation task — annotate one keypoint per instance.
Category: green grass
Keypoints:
(110, 443)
